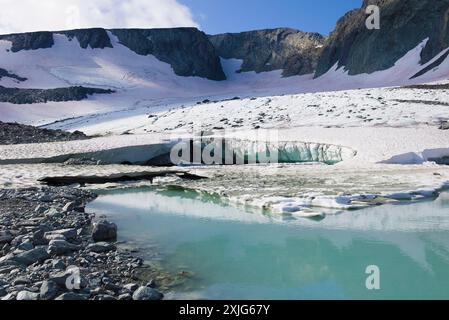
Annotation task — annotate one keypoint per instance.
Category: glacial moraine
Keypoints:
(48, 251)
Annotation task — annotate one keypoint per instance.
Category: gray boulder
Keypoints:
(125, 297)
(100, 247)
(67, 234)
(69, 207)
(26, 258)
(71, 277)
(9, 297)
(60, 247)
(49, 290)
(131, 287)
(5, 237)
(71, 296)
(146, 293)
(104, 231)
(27, 296)
(58, 264)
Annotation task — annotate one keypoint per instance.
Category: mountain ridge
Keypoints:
(359, 50)
(351, 47)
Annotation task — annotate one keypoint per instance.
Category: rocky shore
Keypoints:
(51, 249)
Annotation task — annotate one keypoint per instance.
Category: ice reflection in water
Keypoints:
(238, 254)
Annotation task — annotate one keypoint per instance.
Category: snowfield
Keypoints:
(143, 82)
(388, 136)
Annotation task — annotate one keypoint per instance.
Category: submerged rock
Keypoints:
(100, 247)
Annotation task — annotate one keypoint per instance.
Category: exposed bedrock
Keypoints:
(404, 24)
(30, 96)
(293, 51)
(6, 74)
(187, 50)
(29, 41)
(14, 133)
(96, 38)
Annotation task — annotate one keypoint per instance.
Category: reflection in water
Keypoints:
(242, 255)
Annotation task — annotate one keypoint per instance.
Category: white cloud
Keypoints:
(39, 15)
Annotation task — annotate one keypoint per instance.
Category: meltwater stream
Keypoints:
(236, 254)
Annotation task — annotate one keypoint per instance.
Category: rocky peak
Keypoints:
(29, 41)
(293, 51)
(404, 24)
(188, 50)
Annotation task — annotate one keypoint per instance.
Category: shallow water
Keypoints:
(236, 254)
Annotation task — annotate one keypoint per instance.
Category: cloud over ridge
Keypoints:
(51, 15)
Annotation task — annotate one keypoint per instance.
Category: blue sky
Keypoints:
(218, 16)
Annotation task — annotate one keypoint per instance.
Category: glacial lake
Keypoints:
(237, 254)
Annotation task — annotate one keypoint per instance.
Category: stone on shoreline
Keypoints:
(69, 207)
(65, 234)
(60, 247)
(45, 253)
(104, 231)
(146, 293)
(5, 237)
(27, 296)
(58, 264)
(49, 290)
(100, 247)
(125, 297)
(26, 258)
(71, 296)
(131, 287)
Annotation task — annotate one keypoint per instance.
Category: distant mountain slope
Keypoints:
(292, 51)
(404, 25)
(187, 50)
(153, 68)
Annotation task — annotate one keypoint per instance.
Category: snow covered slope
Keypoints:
(143, 81)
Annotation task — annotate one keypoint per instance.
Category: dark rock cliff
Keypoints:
(6, 74)
(96, 38)
(404, 24)
(187, 50)
(29, 96)
(293, 51)
(29, 41)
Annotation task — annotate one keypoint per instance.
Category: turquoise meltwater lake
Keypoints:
(238, 254)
